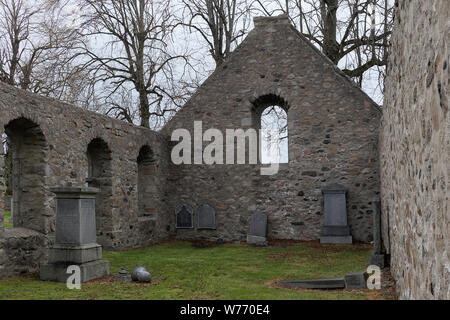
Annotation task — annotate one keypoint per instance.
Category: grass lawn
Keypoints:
(7, 220)
(230, 271)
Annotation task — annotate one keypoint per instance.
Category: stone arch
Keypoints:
(271, 107)
(146, 183)
(28, 166)
(99, 175)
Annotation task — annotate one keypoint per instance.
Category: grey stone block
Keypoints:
(356, 280)
(206, 217)
(335, 227)
(75, 215)
(378, 260)
(334, 283)
(89, 271)
(336, 240)
(258, 224)
(75, 254)
(336, 230)
(256, 240)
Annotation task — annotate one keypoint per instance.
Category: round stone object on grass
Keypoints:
(141, 274)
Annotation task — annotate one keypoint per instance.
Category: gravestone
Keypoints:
(75, 221)
(335, 227)
(356, 280)
(184, 216)
(206, 217)
(322, 284)
(258, 229)
(377, 258)
(76, 241)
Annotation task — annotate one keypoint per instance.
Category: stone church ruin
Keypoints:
(336, 136)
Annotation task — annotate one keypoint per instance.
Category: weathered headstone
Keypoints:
(76, 241)
(184, 216)
(258, 229)
(323, 284)
(206, 217)
(75, 221)
(356, 280)
(335, 227)
(377, 258)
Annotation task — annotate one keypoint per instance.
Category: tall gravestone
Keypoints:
(184, 216)
(335, 227)
(76, 240)
(206, 216)
(257, 234)
(377, 258)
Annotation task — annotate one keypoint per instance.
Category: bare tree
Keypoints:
(221, 23)
(34, 41)
(126, 45)
(15, 32)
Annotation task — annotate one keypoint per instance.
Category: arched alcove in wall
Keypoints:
(25, 150)
(270, 116)
(100, 176)
(146, 182)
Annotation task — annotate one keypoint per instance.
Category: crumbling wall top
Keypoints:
(266, 21)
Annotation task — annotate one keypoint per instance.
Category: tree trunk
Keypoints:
(143, 97)
(330, 45)
(144, 108)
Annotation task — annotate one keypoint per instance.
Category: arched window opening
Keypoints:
(146, 184)
(270, 116)
(100, 176)
(24, 170)
(274, 136)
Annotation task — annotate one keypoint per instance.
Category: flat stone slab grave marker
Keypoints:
(76, 240)
(335, 227)
(356, 280)
(206, 217)
(258, 229)
(352, 281)
(184, 216)
(334, 283)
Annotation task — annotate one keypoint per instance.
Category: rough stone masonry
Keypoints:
(333, 136)
(415, 151)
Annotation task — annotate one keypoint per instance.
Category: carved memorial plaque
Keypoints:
(67, 223)
(206, 217)
(335, 227)
(184, 216)
(87, 221)
(75, 216)
(258, 225)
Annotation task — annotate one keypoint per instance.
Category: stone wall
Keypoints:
(21, 251)
(415, 151)
(59, 158)
(333, 138)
